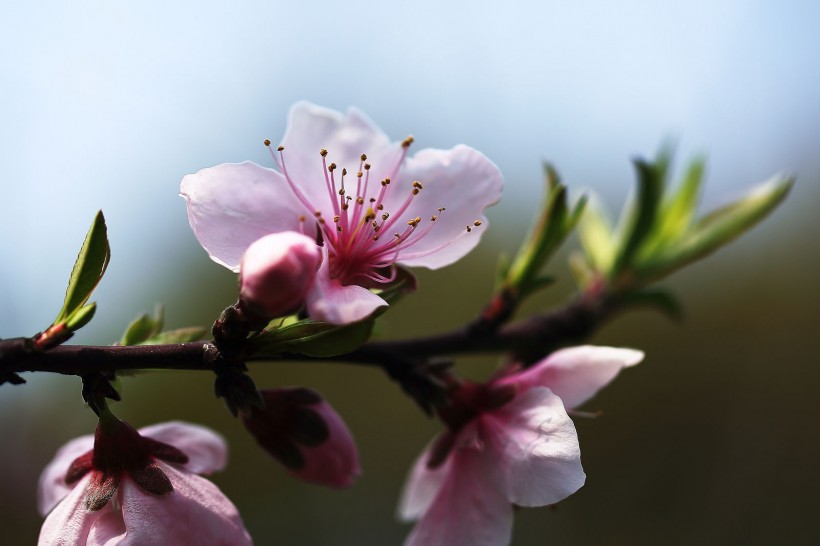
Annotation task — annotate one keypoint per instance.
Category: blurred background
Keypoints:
(713, 440)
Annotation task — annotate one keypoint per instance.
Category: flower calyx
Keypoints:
(119, 450)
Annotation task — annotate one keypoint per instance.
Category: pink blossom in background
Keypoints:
(276, 273)
(183, 509)
(509, 442)
(372, 205)
(304, 433)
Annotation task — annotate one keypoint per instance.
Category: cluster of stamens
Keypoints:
(354, 237)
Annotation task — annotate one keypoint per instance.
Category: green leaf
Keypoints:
(88, 269)
(180, 335)
(81, 317)
(719, 228)
(597, 238)
(319, 339)
(678, 210)
(641, 219)
(549, 231)
(143, 328)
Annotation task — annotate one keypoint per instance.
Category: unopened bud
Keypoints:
(276, 273)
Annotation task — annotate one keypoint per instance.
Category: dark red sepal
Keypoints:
(164, 451)
(101, 488)
(79, 467)
(152, 480)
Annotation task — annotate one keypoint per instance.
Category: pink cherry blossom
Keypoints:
(304, 433)
(339, 177)
(509, 442)
(182, 507)
(276, 273)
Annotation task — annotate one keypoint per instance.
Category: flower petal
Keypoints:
(312, 128)
(69, 523)
(52, 486)
(330, 301)
(206, 450)
(197, 512)
(464, 182)
(234, 204)
(538, 448)
(470, 507)
(422, 485)
(577, 373)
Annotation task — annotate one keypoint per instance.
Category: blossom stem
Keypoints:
(528, 339)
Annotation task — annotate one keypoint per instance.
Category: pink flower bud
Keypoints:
(304, 433)
(276, 273)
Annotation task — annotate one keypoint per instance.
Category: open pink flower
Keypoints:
(509, 442)
(129, 488)
(341, 179)
(304, 433)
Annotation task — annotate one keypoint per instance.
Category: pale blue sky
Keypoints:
(108, 104)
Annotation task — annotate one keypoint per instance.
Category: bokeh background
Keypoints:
(714, 440)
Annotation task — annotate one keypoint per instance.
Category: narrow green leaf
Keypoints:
(309, 338)
(143, 328)
(642, 218)
(720, 227)
(81, 317)
(597, 239)
(678, 210)
(88, 269)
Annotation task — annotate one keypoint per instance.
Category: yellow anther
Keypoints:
(360, 200)
(380, 207)
(331, 167)
(407, 142)
(341, 191)
(280, 148)
(364, 157)
(385, 216)
(336, 218)
(323, 152)
(301, 217)
(375, 237)
(359, 174)
(415, 191)
(433, 218)
(267, 142)
(414, 222)
(477, 223)
(417, 184)
(317, 213)
(367, 166)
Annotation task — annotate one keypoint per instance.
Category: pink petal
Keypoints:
(52, 487)
(330, 301)
(234, 204)
(537, 448)
(335, 462)
(422, 486)
(470, 509)
(197, 512)
(312, 128)
(70, 522)
(577, 373)
(463, 181)
(206, 450)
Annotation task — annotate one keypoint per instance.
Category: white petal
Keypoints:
(197, 512)
(464, 182)
(538, 448)
(233, 204)
(52, 487)
(470, 508)
(70, 522)
(206, 450)
(422, 486)
(577, 373)
(312, 128)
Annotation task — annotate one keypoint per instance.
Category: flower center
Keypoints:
(363, 239)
